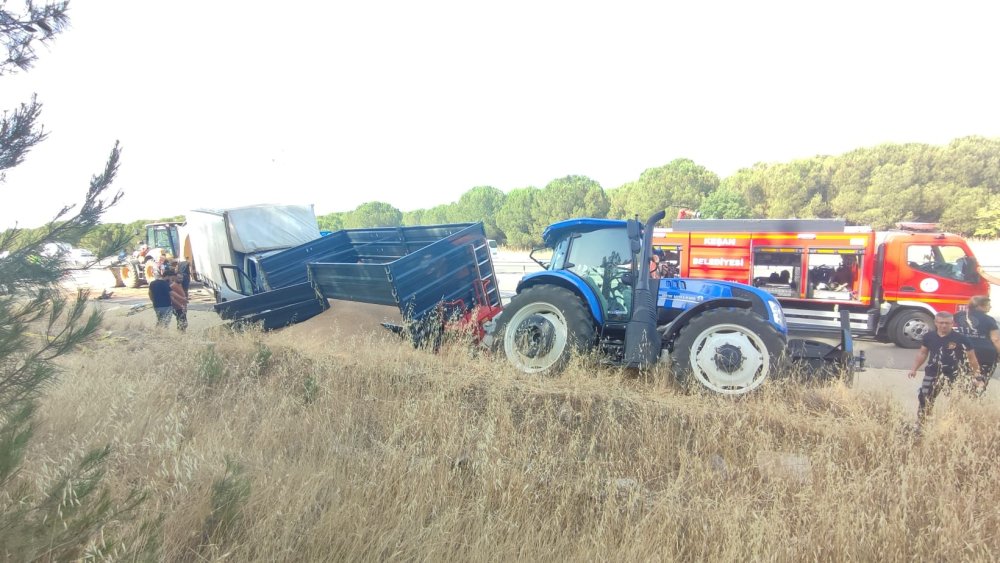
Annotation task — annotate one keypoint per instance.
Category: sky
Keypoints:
(223, 103)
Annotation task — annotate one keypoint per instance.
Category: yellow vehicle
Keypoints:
(168, 239)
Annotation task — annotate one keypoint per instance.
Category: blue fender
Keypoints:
(684, 293)
(571, 282)
(682, 320)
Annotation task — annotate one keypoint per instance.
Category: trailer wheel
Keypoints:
(728, 351)
(130, 275)
(908, 327)
(541, 328)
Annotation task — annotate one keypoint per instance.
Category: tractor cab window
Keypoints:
(558, 258)
(778, 270)
(945, 261)
(158, 237)
(603, 260)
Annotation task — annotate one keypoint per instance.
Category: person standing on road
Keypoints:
(179, 300)
(183, 271)
(159, 294)
(943, 349)
(981, 329)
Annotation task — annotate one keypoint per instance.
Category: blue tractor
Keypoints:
(597, 292)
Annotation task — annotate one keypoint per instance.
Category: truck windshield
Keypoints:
(602, 259)
(159, 237)
(945, 261)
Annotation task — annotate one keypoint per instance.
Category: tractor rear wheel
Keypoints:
(729, 351)
(542, 327)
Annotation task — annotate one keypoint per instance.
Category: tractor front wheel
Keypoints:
(729, 351)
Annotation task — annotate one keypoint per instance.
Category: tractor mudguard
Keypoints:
(669, 332)
(571, 282)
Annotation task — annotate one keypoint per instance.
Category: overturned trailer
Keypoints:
(429, 273)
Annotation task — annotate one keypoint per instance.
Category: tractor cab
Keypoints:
(164, 236)
(599, 252)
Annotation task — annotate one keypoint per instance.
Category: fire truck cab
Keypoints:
(890, 282)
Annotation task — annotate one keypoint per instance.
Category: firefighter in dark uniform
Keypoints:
(981, 329)
(944, 350)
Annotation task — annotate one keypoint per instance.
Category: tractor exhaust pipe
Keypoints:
(642, 342)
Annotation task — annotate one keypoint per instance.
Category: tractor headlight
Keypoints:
(777, 314)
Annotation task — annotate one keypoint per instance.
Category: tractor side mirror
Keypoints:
(634, 230)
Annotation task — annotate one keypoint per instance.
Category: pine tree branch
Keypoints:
(18, 134)
(19, 33)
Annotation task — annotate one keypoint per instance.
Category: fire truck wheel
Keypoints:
(908, 327)
(727, 351)
(542, 327)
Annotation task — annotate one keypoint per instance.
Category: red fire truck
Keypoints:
(891, 282)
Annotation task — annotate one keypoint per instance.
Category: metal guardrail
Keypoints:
(519, 267)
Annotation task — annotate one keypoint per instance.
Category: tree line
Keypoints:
(956, 185)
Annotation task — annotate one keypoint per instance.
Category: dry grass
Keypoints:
(254, 448)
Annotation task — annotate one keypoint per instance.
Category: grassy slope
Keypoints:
(366, 449)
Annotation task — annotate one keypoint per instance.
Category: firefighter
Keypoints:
(984, 335)
(943, 349)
